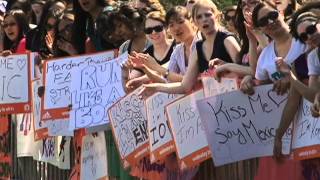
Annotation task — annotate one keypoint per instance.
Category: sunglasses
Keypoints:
(9, 24)
(311, 29)
(229, 18)
(155, 28)
(273, 15)
(191, 2)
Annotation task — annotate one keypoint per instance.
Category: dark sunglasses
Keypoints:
(229, 18)
(9, 24)
(273, 15)
(311, 29)
(191, 2)
(155, 28)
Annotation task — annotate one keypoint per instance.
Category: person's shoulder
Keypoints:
(313, 55)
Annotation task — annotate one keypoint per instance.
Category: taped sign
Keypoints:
(160, 138)
(57, 82)
(188, 131)
(15, 84)
(129, 126)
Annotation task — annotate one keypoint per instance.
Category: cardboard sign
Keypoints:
(25, 135)
(59, 128)
(94, 157)
(306, 133)
(15, 86)
(212, 87)
(57, 80)
(95, 87)
(54, 150)
(240, 127)
(188, 131)
(40, 127)
(161, 142)
(129, 126)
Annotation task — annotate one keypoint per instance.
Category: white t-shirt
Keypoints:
(314, 63)
(266, 67)
(177, 61)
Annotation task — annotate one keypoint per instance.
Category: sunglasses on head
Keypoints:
(273, 15)
(9, 24)
(311, 29)
(157, 29)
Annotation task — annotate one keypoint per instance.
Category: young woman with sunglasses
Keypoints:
(216, 45)
(229, 18)
(284, 48)
(161, 48)
(15, 27)
(305, 27)
(183, 31)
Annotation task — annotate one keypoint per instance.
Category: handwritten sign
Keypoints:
(40, 127)
(15, 89)
(94, 157)
(25, 135)
(95, 87)
(212, 87)
(306, 133)
(188, 131)
(57, 81)
(240, 127)
(129, 126)
(59, 128)
(54, 150)
(161, 142)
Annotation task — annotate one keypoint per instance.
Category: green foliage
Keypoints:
(220, 3)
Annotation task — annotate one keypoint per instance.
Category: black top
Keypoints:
(150, 51)
(219, 51)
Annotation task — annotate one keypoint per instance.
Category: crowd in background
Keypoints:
(259, 42)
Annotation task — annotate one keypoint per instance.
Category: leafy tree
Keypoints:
(220, 3)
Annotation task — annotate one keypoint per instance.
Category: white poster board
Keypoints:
(95, 87)
(240, 127)
(188, 131)
(129, 125)
(57, 81)
(25, 135)
(40, 127)
(54, 150)
(94, 157)
(15, 84)
(212, 87)
(59, 127)
(160, 138)
(306, 133)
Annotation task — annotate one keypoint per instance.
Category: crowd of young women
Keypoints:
(260, 42)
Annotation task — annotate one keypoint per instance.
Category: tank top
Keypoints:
(150, 51)
(219, 51)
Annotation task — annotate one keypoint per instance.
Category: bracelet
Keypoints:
(166, 74)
